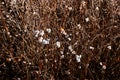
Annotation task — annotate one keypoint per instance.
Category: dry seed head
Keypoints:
(63, 31)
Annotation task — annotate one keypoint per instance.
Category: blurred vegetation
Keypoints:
(59, 40)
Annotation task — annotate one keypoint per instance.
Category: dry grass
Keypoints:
(41, 39)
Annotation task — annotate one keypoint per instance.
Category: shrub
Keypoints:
(59, 39)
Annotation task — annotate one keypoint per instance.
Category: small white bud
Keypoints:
(45, 41)
(78, 58)
(77, 33)
(97, 8)
(19, 59)
(10, 36)
(2, 3)
(73, 52)
(58, 44)
(66, 6)
(115, 26)
(69, 39)
(70, 48)
(40, 39)
(104, 67)
(16, 35)
(45, 54)
(36, 32)
(70, 8)
(9, 59)
(37, 72)
(79, 26)
(24, 62)
(7, 16)
(83, 3)
(48, 30)
(18, 79)
(34, 13)
(87, 19)
(92, 48)
(25, 30)
(41, 32)
(8, 33)
(30, 63)
(68, 53)
(101, 63)
(79, 67)
(46, 60)
(55, 61)
(13, 2)
(61, 52)
(10, 10)
(109, 47)
(62, 56)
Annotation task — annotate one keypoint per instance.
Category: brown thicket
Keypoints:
(59, 39)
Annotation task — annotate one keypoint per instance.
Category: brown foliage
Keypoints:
(59, 39)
